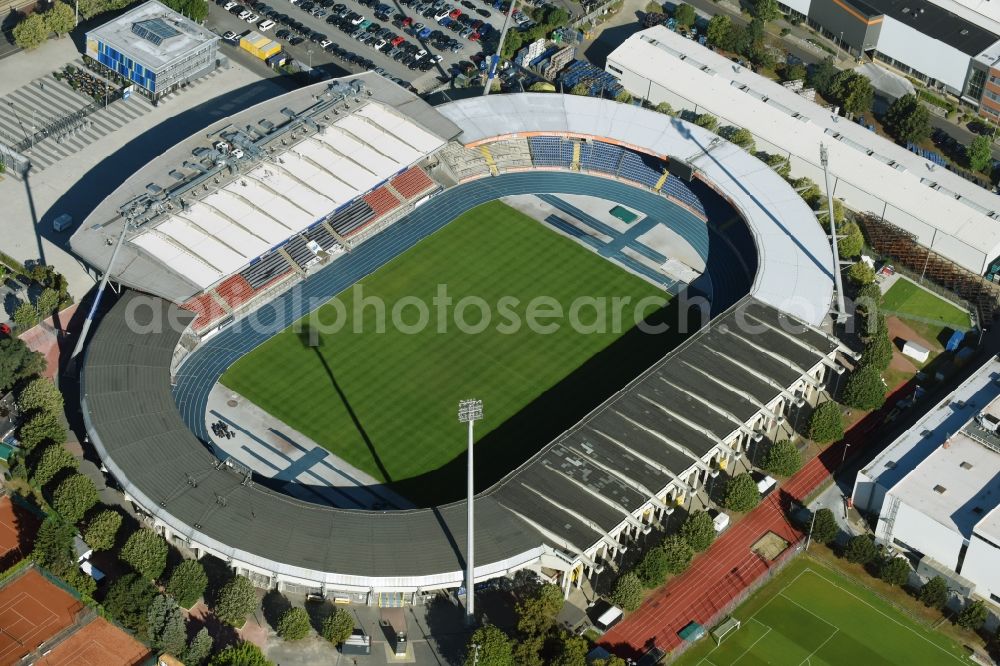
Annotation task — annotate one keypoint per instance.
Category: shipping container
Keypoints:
(259, 45)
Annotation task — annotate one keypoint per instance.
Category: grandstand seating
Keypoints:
(207, 309)
(320, 235)
(641, 168)
(412, 182)
(235, 290)
(678, 189)
(298, 249)
(598, 156)
(551, 151)
(266, 269)
(351, 217)
(382, 201)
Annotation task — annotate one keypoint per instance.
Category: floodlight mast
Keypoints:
(840, 314)
(470, 411)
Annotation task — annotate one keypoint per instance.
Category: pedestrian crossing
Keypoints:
(47, 100)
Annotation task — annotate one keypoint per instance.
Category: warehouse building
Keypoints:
(154, 47)
(934, 489)
(870, 174)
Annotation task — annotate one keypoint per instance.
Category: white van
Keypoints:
(62, 223)
(766, 485)
(266, 25)
(609, 618)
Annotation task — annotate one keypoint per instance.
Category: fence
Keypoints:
(67, 123)
(13, 160)
(773, 569)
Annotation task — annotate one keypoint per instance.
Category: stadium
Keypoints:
(227, 239)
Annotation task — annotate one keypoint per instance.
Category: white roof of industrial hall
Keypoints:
(794, 274)
(944, 201)
(153, 34)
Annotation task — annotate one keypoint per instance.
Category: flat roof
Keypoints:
(936, 198)
(938, 22)
(935, 426)
(954, 485)
(795, 265)
(152, 34)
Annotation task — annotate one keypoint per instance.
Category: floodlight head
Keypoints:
(470, 410)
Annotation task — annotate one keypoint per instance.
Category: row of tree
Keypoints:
(53, 296)
(546, 17)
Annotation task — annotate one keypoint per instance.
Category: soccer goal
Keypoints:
(723, 630)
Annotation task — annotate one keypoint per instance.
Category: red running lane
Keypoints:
(728, 567)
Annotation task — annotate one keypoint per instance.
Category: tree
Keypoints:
(48, 300)
(860, 549)
(74, 497)
(40, 395)
(166, 625)
(489, 646)
(678, 553)
(782, 458)
(685, 15)
(537, 611)
(53, 459)
(973, 616)
(60, 20)
(766, 10)
(865, 388)
(878, 349)
(821, 76)
(90, 8)
(907, 120)
(741, 493)
(102, 531)
(824, 526)
(624, 97)
(580, 89)
(241, 654)
(572, 651)
(979, 154)
(708, 121)
(188, 582)
(826, 423)
(934, 593)
(738, 135)
(794, 72)
(541, 86)
(128, 601)
(613, 660)
(17, 362)
(664, 108)
(527, 651)
(853, 91)
(718, 29)
(868, 299)
(653, 7)
(25, 316)
(861, 273)
(198, 648)
(698, 530)
(42, 427)
(54, 544)
(895, 571)
(294, 624)
(31, 32)
(627, 592)
(338, 626)
(779, 163)
(851, 240)
(196, 10)
(236, 600)
(652, 568)
(146, 552)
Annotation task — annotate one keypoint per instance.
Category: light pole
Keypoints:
(470, 411)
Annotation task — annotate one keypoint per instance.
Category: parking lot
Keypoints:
(400, 38)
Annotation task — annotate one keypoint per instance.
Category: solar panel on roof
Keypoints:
(154, 30)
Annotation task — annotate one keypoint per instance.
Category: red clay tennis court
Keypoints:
(97, 642)
(17, 531)
(32, 610)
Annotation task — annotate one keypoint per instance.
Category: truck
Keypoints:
(258, 45)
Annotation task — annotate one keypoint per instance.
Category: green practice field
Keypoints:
(811, 615)
(908, 299)
(386, 402)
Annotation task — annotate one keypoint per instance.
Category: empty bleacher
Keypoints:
(321, 236)
(641, 168)
(351, 217)
(207, 309)
(412, 182)
(678, 189)
(265, 270)
(598, 156)
(465, 162)
(551, 151)
(511, 154)
(235, 290)
(298, 249)
(382, 201)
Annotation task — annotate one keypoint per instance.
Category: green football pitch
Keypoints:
(386, 402)
(811, 615)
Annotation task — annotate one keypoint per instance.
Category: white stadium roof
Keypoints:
(943, 210)
(794, 274)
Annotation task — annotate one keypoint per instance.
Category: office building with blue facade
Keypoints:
(154, 47)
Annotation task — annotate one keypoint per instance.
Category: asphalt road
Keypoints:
(221, 21)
